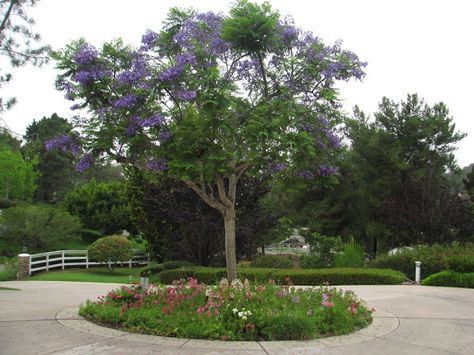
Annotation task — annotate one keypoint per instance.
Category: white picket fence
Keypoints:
(67, 258)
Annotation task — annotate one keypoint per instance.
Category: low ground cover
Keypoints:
(239, 311)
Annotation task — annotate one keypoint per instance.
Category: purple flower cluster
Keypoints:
(333, 139)
(157, 164)
(67, 87)
(136, 73)
(276, 167)
(85, 77)
(64, 142)
(148, 39)
(305, 174)
(171, 73)
(164, 135)
(187, 95)
(185, 58)
(126, 101)
(84, 163)
(75, 107)
(86, 54)
(153, 121)
(202, 29)
(326, 170)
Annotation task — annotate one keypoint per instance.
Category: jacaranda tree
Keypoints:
(209, 99)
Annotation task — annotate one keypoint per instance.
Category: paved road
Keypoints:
(40, 319)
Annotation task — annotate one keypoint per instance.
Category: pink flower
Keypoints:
(328, 304)
(200, 310)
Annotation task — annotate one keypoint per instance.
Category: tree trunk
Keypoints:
(230, 252)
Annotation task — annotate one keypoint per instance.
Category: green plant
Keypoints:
(113, 249)
(152, 269)
(433, 258)
(38, 228)
(341, 276)
(323, 251)
(90, 235)
(168, 265)
(450, 278)
(10, 268)
(236, 311)
(462, 263)
(272, 261)
(352, 255)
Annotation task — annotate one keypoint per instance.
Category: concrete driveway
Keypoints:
(42, 319)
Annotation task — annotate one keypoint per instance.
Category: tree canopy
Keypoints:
(210, 98)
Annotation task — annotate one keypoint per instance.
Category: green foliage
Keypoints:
(335, 276)
(323, 251)
(17, 176)
(114, 249)
(38, 228)
(151, 269)
(460, 263)
(55, 169)
(230, 312)
(272, 261)
(101, 206)
(251, 27)
(449, 278)
(433, 258)
(352, 255)
(90, 235)
(10, 268)
(169, 265)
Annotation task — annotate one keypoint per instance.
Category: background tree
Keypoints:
(55, 169)
(17, 39)
(101, 206)
(17, 176)
(210, 99)
(39, 228)
(179, 225)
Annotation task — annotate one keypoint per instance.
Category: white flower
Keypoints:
(241, 314)
(235, 310)
(244, 317)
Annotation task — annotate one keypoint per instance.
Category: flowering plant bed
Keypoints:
(238, 311)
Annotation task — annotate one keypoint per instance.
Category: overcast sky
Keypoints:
(411, 46)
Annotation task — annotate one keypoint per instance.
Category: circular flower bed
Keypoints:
(238, 311)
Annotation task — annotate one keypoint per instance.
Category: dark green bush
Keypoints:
(342, 276)
(433, 258)
(450, 278)
(168, 265)
(90, 235)
(272, 261)
(311, 261)
(352, 255)
(152, 269)
(115, 248)
(463, 263)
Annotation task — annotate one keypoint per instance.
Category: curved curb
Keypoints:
(383, 323)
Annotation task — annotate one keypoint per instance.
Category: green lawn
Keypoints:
(118, 275)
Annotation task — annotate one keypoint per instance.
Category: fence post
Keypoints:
(130, 263)
(62, 260)
(24, 266)
(87, 259)
(47, 261)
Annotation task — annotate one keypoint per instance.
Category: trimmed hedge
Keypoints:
(339, 276)
(434, 258)
(450, 278)
(463, 263)
(272, 261)
(168, 265)
(151, 269)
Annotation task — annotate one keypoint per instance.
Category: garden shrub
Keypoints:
(462, 263)
(323, 252)
(114, 248)
(169, 265)
(352, 255)
(341, 276)
(450, 278)
(272, 261)
(152, 269)
(10, 270)
(311, 261)
(433, 258)
(90, 235)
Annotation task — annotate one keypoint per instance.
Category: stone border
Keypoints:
(383, 323)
